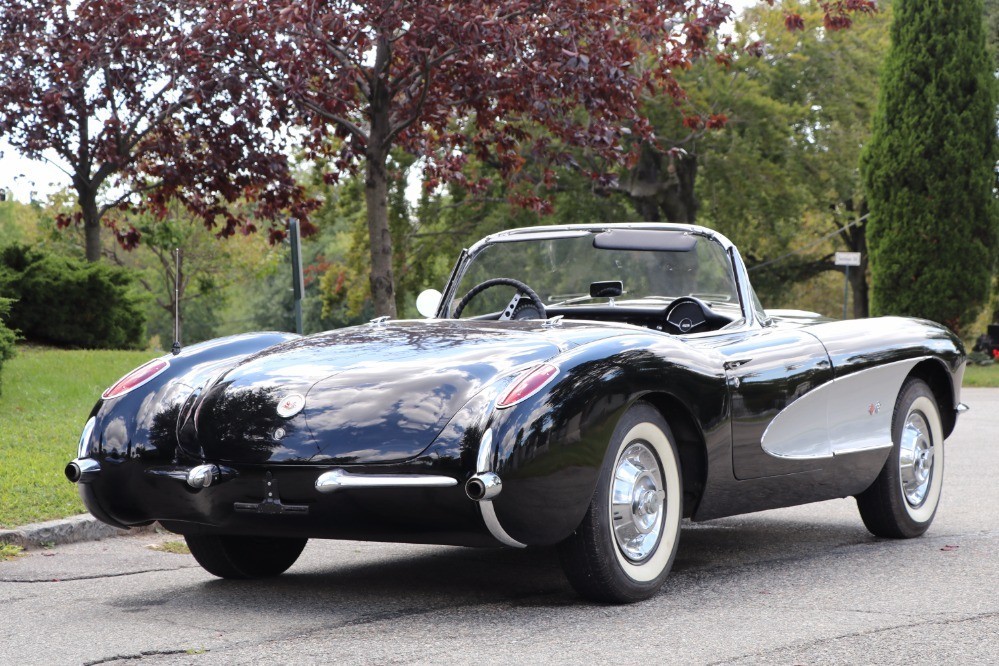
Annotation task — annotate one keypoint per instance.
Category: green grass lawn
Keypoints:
(982, 375)
(47, 397)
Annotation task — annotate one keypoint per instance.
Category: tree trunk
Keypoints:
(379, 236)
(376, 191)
(645, 182)
(661, 186)
(679, 201)
(856, 241)
(858, 277)
(91, 224)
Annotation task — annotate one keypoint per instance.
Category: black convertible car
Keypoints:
(581, 386)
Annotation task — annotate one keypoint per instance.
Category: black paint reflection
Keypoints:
(240, 424)
(373, 394)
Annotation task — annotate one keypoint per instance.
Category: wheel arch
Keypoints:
(551, 447)
(690, 446)
(935, 374)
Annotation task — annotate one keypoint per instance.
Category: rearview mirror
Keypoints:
(428, 301)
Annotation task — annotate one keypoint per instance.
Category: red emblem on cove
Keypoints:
(290, 405)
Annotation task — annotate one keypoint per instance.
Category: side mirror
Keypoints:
(428, 301)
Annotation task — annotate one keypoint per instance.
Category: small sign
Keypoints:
(847, 258)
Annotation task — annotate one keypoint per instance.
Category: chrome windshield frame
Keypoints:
(739, 271)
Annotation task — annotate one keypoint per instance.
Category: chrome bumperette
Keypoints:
(83, 470)
(489, 484)
(484, 460)
(336, 479)
(83, 448)
(494, 527)
(203, 476)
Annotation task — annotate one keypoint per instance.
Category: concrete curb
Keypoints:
(66, 530)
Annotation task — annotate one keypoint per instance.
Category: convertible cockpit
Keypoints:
(675, 281)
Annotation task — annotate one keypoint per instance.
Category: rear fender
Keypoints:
(550, 448)
(140, 427)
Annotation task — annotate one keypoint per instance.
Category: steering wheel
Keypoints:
(686, 314)
(510, 312)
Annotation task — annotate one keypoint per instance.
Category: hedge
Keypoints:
(68, 302)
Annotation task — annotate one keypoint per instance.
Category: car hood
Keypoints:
(376, 393)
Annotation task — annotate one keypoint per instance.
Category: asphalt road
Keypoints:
(793, 586)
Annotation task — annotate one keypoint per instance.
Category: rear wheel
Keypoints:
(625, 546)
(244, 556)
(903, 500)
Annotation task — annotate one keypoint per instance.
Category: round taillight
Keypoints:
(527, 384)
(136, 378)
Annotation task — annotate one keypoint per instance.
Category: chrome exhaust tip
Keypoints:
(83, 470)
(483, 487)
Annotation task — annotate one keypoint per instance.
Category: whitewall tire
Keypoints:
(903, 500)
(626, 544)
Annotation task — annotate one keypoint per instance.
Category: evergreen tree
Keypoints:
(929, 167)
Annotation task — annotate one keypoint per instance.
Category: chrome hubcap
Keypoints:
(637, 502)
(915, 459)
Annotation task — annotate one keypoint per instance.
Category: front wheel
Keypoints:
(902, 501)
(244, 556)
(625, 546)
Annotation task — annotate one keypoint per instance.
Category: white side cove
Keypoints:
(846, 415)
(484, 463)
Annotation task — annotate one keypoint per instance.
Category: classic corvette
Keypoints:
(585, 386)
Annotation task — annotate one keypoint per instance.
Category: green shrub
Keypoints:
(7, 336)
(70, 303)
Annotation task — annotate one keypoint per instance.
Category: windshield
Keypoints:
(562, 269)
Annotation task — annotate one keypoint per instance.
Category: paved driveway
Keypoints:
(801, 585)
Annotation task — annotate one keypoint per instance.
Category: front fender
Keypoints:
(550, 448)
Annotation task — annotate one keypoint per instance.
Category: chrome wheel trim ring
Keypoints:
(915, 459)
(637, 501)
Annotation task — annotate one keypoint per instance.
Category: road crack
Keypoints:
(67, 579)
(141, 655)
(854, 634)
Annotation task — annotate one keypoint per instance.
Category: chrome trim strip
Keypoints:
(861, 449)
(336, 479)
(493, 524)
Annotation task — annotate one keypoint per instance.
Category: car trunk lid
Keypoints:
(367, 394)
